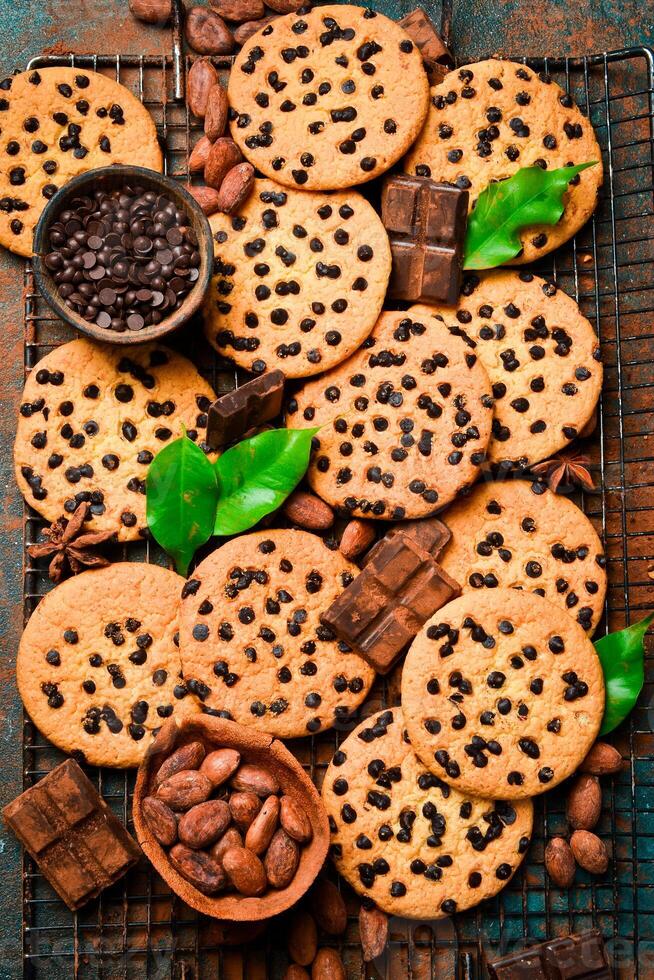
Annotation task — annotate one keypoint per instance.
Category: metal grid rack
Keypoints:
(137, 929)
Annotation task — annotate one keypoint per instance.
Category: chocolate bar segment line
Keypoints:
(581, 956)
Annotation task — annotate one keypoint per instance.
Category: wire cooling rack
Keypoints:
(137, 929)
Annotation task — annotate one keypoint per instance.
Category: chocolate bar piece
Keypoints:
(245, 408)
(430, 533)
(71, 833)
(434, 51)
(426, 224)
(578, 957)
(387, 604)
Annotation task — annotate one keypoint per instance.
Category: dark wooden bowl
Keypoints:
(110, 178)
(256, 747)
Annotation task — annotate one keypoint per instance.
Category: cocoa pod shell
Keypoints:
(198, 868)
(199, 154)
(373, 932)
(250, 778)
(328, 966)
(187, 756)
(161, 820)
(231, 838)
(281, 860)
(244, 808)
(245, 871)
(357, 537)
(264, 825)
(602, 760)
(223, 155)
(584, 803)
(218, 766)
(151, 11)
(308, 511)
(590, 852)
(206, 197)
(184, 789)
(215, 117)
(328, 907)
(201, 79)
(238, 10)
(207, 33)
(560, 862)
(302, 939)
(235, 188)
(245, 31)
(204, 823)
(294, 820)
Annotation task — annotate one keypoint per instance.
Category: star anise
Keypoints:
(70, 547)
(567, 469)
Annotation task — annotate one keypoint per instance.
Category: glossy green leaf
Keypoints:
(622, 658)
(181, 499)
(530, 197)
(257, 475)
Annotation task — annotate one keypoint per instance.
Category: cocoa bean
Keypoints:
(206, 197)
(584, 803)
(284, 6)
(295, 972)
(328, 966)
(244, 808)
(207, 33)
(245, 31)
(294, 820)
(263, 826)
(308, 511)
(220, 765)
(590, 852)
(560, 862)
(281, 860)
(184, 790)
(602, 760)
(223, 155)
(204, 823)
(231, 838)
(245, 871)
(199, 154)
(215, 118)
(151, 11)
(328, 907)
(302, 940)
(373, 932)
(198, 868)
(201, 79)
(238, 10)
(254, 779)
(235, 188)
(188, 756)
(161, 821)
(357, 538)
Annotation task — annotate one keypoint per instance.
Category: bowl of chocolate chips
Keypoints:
(123, 254)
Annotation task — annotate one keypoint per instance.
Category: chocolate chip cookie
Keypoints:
(406, 420)
(327, 98)
(406, 839)
(56, 123)
(98, 666)
(522, 535)
(503, 695)
(92, 420)
(542, 356)
(488, 120)
(299, 281)
(252, 645)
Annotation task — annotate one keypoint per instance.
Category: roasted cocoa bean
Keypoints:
(231, 838)
(205, 823)
(328, 966)
(294, 820)
(235, 188)
(263, 826)
(215, 117)
(207, 33)
(244, 808)
(560, 862)
(184, 790)
(302, 940)
(238, 10)
(245, 871)
(207, 197)
(220, 765)
(308, 511)
(255, 779)
(328, 907)
(198, 868)
(201, 79)
(373, 932)
(151, 11)
(281, 860)
(161, 821)
(245, 31)
(188, 756)
(223, 155)
(199, 155)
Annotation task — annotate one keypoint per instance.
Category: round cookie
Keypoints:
(522, 535)
(57, 123)
(251, 638)
(98, 667)
(406, 419)
(488, 120)
(503, 695)
(405, 839)
(542, 356)
(327, 98)
(92, 418)
(299, 281)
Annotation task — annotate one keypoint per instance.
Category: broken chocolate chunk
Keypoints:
(582, 956)
(245, 408)
(435, 53)
(429, 533)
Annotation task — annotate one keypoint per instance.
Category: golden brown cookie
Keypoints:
(404, 838)
(98, 666)
(520, 534)
(299, 281)
(56, 123)
(327, 98)
(406, 420)
(488, 120)
(503, 695)
(541, 354)
(92, 419)
(251, 639)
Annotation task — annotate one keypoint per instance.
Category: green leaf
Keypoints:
(181, 499)
(530, 197)
(257, 475)
(622, 657)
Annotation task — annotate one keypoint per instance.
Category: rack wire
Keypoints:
(137, 929)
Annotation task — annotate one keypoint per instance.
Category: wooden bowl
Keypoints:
(256, 747)
(111, 178)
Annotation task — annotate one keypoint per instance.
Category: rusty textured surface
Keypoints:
(481, 27)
